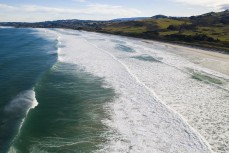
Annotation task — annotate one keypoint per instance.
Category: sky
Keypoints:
(46, 10)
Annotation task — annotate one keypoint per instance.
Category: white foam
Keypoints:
(52, 52)
(59, 47)
(6, 27)
(141, 122)
(52, 35)
(204, 105)
(22, 102)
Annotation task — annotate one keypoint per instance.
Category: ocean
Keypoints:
(82, 92)
(47, 105)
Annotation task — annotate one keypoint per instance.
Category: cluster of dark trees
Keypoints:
(211, 18)
(182, 27)
(68, 24)
(190, 38)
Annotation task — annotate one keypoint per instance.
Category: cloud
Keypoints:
(81, 1)
(214, 4)
(102, 10)
(112, 10)
(7, 7)
(225, 6)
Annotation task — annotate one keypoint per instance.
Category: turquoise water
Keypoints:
(146, 57)
(70, 110)
(124, 48)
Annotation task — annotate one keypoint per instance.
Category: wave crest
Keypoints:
(22, 103)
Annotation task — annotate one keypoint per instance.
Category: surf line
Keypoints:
(199, 136)
(59, 43)
(28, 99)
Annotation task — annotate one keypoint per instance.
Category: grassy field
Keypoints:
(209, 30)
(125, 29)
(221, 33)
(165, 23)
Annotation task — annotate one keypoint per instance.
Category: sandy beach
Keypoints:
(210, 59)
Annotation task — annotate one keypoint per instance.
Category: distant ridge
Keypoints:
(130, 19)
(159, 16)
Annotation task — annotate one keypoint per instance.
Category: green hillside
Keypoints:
(207, 30)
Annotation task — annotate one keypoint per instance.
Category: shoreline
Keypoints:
(223, 50)
(213, 48)
(214, 58)
(212, 54)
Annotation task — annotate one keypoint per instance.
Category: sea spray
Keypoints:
(21, 104)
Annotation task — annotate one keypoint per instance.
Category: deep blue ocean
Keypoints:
(45, 105)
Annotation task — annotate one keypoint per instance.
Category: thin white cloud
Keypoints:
(81, 1)
(112, 10)
(99, 9)
(7, 7)
(225, 6)
(214, 4)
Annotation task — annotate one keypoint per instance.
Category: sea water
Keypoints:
(103, 93)
(47, 105)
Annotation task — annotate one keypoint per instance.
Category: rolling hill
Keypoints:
(209, 30)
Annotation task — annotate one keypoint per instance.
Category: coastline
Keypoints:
(215, 58)
(137, 79)
(203, 46)
(207, 47)
(214, 54)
